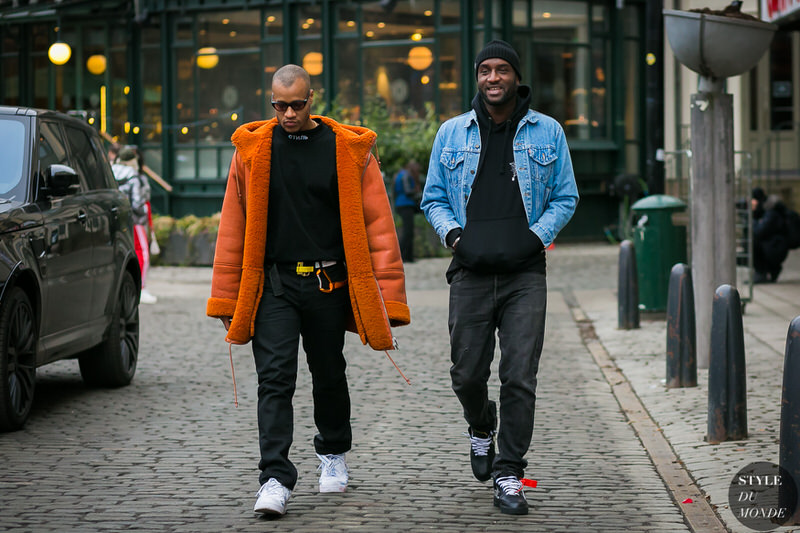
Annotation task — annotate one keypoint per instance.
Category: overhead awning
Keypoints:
(20, 11)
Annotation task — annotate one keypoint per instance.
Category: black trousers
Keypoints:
(406, 213)
(514, 306)
(300, 309)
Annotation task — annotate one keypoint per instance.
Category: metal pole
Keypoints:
(627, 288)
(681, 360)
(713, 239)
(790, 422)
(727, 393)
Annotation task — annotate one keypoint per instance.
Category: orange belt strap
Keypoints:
(332, 285)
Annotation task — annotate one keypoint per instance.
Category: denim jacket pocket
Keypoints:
(451, 158)
(543, 156)
(453, 163)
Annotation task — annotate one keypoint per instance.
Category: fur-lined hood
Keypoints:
(248, 138)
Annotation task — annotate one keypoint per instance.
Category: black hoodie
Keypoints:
(496, 238)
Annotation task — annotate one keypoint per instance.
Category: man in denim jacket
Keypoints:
(500, 187)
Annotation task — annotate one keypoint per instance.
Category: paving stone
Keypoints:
(172, 453)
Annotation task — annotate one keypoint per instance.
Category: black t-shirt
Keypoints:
(303, 223)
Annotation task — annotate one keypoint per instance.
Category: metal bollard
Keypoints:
(681, 353)
(727, 395)
(790, 423)
(627, 288)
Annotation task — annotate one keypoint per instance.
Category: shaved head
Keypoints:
(287, 75)
(292, 98)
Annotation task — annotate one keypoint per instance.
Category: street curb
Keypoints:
(697, 511)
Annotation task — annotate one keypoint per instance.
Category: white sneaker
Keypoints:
(333, 477)
(272, 498)
(146, 298)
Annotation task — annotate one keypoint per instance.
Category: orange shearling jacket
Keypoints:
(376, 280)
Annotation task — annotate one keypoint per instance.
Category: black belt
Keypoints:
(305, 269)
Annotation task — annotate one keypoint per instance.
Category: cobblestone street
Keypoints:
(172, 453)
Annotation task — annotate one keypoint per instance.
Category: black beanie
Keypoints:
(499, 49)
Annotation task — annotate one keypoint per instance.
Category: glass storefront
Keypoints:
(9, 66)
(180, 80)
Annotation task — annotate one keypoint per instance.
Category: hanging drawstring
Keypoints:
(397, 367)
(233, 375)
(396, 347)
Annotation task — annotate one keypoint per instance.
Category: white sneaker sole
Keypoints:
(270, 511)
(334, 487)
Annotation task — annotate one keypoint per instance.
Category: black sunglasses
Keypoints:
(281, 106)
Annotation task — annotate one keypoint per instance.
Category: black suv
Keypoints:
(69, 277)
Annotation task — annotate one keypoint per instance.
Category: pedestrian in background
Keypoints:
(147, 229)
(770, 241)
(323, 258)
(498, 209)
(406, 203)
(113, 152)
(132, 182)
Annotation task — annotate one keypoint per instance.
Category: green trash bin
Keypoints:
(660, 243)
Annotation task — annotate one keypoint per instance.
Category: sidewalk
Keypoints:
(172, 453)
(594, 473)
(682, 413)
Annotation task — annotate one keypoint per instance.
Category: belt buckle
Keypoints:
(303, 270)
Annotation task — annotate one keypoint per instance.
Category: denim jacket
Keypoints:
(543, 165)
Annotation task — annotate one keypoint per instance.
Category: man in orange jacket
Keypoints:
(306, 248)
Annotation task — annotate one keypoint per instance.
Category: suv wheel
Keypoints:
(17, 360)
(112, 363)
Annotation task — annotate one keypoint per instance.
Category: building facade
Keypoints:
(177, 77)
(766, 105)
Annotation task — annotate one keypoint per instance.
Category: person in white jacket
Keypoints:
(130, 181)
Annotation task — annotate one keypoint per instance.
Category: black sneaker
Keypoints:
(508, 495)
(481, 453)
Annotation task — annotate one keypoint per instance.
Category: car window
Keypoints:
(51, 146)
(85, 161)
(52, 149)
(12, 154)
(102, 161)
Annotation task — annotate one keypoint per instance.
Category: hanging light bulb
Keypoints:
(59, 53)
(312, 62)
(207, 57)
(420, 57)
(96, 64)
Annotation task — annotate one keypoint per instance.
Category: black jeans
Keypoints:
(406, 213)
(320, 318)
(514, 305)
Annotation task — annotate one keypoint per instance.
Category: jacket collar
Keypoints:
(531, 116)
(249, 137)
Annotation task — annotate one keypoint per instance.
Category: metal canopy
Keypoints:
(19, 11)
